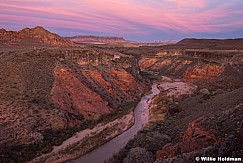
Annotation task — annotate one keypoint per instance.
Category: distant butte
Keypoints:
(97, 39)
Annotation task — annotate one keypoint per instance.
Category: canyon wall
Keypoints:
(200, 67)
(48, 94)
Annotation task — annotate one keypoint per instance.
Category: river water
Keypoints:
(112, 147)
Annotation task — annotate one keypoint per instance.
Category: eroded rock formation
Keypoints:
(194, 138)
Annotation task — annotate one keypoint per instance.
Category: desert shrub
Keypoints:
(156, 142)
(35, 101)
(173, 110)
(138, 155)
(206, 96)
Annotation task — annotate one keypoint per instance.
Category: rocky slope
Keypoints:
(48, 94)
(32, 36)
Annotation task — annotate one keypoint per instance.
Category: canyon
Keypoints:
(52, 88)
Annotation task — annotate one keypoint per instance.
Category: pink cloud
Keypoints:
(80, 20)
(193, 3)
(127, 16)
(162, 18)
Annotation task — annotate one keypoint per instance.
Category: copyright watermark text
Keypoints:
(218, 159)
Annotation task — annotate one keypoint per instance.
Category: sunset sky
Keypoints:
(133, 19)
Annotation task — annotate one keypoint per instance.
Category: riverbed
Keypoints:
(112, 147)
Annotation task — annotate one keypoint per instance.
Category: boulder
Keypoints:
(204, 91)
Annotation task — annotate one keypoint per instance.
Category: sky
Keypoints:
(137, 20)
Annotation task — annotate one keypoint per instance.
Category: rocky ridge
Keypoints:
(221, 44)
(32, 35)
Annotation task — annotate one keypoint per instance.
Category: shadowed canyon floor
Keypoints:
(52, 88)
